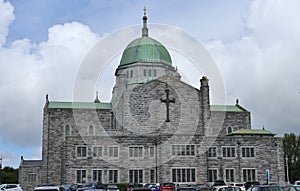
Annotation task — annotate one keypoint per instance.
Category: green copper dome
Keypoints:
(145, 49)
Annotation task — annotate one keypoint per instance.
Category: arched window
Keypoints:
(67, 130)
(229, 130)
(91, 130)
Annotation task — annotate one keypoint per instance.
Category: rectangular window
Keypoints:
(80, 176)
(97, 151)
(183, 175)
(152, 175)
(81, 151)
(154, 73)
(31, 177)
(113, 151)
(135, 176)
(136, 152)
(229, 175)
(212, 175)
(183, 150)
(212, 152)
(67, 130)
(248, 152)
(151, 152)
(97, 175)
(249, 175)
(228, 152)
(145, 72)
(131, 73)
(149, 73)
(112, 176)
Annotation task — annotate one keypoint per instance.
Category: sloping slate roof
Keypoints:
(251, 132)
(31, 163)
(233, 108)
(78, 105)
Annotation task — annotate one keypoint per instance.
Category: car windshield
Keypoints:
(112, 186)
(168, 184)
(271, 188)
(229, 189)
(87, 184)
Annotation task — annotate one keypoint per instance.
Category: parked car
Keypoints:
(11, 187)
(152, 186)
(92, 185)
(264, 188)
(141, 189)
(226, 188)
(241, 185)
(188, 188)
(218, 183)
(291, 188)
(250, 184)
(112, 187)
(48, 188)
(69, 187)
(167, 186)
(130, 186)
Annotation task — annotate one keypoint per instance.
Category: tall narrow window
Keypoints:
(131, 74)
(67, 130)
(112, 176)
(113, 151)
(154, 73)
(80, 176)
(145, 72)
(212, 175)
(91, 130)
(149, 72)
(97, 175)
(229, 130)
(229, 175)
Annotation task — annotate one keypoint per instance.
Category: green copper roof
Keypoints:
(145, 49)
(251, 132)
(78, 105)
(233, 108)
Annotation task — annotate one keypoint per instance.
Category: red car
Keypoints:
(167, 186)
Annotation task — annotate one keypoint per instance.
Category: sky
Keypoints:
(255, 44)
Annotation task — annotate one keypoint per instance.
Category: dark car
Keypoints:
(92, 185)
(69, 187)
(167, 186)
(130, 186)
(264, 188)
(219, 183)
(292, 188)
(152, 186)
(250, 184)
(188, 188)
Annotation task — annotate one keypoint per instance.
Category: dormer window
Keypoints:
(229, 130)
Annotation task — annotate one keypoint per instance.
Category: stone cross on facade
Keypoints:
(167, 101)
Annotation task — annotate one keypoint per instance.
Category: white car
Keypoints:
(238, 184)
(227, 188)
(11, 187)
(47, 188)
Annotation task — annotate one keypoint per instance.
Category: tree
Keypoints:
(9, 175)
(291, 149)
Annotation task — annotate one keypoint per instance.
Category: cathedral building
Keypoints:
(156, 128)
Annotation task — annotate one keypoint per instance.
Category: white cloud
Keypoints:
(262, 67)
(30, 71)
(6, 18)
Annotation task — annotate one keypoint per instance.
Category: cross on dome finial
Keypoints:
(145, 29)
